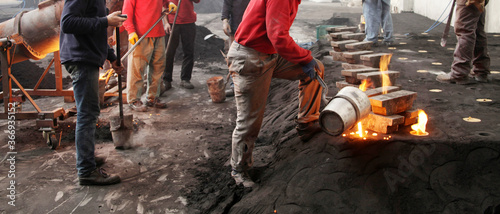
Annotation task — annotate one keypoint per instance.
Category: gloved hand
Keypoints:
(133, 38)
(172, 7)
(226, 27)
(310, 68)
(478, 3)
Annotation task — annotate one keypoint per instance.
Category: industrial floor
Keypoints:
(179, 162)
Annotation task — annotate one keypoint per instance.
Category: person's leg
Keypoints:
(188, 35)
(372, 16)
(387, 21)
(309, 90)
(156, 67)
(481, 61)
(169, 58)
(465, 29)
(252, 78)
(137, 62)
(86, 91)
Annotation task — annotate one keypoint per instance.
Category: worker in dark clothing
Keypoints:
(232, 14)
(263, 49)
(83, 49)
(471, 53)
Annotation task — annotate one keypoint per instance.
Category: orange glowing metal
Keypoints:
(360, 130)
(419, 128)
(364, 85)
(384, 66)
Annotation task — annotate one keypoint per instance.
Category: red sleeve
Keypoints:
(278, 23)
(128, 8)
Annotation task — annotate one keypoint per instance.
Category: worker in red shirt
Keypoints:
(142, 14)
(263, 49)
(185, 32)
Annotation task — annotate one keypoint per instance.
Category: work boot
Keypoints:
(165, 86)
(230, 92)
(482, 78)
(186, 84)
(308, 130)
(446, 78)
(138, 106)
(99, 177)
(99, 161)
(155, 103)
(242, 178)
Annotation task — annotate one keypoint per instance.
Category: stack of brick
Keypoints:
(390, 110)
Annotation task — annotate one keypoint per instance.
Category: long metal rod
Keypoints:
(173, 26)
(164, 13)
(120, 95)
(43, 75)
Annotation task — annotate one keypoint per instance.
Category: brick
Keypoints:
(348, 66)
(355, 36)
(340, 45)
(338, 36)
(355, 57)
(382, 124)
(338, 56)
(342, 29)
(351, 75)
(411, 117)
(373, 60)
(375, 77)
(359, 46)
(393, 103)
(342, 84)
(379, 90)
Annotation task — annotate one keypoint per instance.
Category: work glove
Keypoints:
(310, 68)
(226, 27)
(133, 38)
(478, 3)
(172, 7)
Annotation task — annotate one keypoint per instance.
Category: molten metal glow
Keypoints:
(419, 128)
(360, 130)
(384, 66)
(364, 85)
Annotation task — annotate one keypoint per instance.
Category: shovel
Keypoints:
(121, 126)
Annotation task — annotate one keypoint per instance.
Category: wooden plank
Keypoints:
(343, 29)
(375, 77)
(382, 124)
(340, 45)
(411, 116)
(351, 75)
(332, 29)
(393, 103)
(348, 66)
(338, 36)
(342, 84)
(355, 57)
(355, 36)
(338, 56)
(373, 60)
(359, 46)
(379, 90)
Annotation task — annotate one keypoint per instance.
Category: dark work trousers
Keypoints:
(185, 33)
(471, 49)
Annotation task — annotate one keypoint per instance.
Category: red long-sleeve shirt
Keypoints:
(185, 10)
(142, 14)
(265, 28)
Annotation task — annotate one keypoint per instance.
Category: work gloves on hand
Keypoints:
(133, 38)
(478, 3)
(172, 7)
(226, 27)
(310, 68)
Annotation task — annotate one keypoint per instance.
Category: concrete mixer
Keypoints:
(33, 35)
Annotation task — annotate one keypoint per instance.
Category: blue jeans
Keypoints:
(378, 13)
(86, 91)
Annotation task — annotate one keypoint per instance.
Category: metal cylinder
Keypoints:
(36, 32)
(349, 106)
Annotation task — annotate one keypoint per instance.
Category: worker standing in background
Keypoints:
(471, 44)
(263, 49)
(232, 14)
(83, 49)
(185, 32)
(150, 53)
(378, 13)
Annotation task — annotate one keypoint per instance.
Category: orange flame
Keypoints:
(419, 128)
(364, 85)
(384, 66)
(360, 130)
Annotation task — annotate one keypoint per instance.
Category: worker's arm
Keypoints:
(129, 9)
(278, 22)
